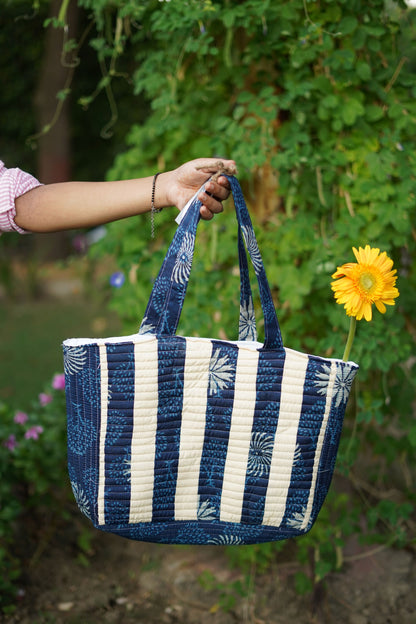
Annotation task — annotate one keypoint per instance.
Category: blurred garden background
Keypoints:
(316, 102)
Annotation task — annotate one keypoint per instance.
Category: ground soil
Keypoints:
(113, 580)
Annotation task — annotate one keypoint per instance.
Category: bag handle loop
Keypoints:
(169, 290)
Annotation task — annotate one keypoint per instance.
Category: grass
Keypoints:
(31, 334)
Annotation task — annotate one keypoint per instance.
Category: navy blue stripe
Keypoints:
(83, 424)
(344, 373)
(120, 361)
(312, 414)
(266, 416)
(220, 399)
(171, 355)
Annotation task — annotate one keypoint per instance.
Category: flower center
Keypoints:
(367, 281)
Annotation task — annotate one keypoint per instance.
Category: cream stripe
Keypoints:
(143, 442)
(291, 399)
(240, 436)
(329, 396)
(103, 432)
(196, 380)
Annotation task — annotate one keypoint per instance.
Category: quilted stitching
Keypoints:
(298, 486)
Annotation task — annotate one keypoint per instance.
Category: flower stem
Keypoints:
(350, 339)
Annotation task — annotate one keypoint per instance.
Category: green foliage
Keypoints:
(229, 594)
(32, 476)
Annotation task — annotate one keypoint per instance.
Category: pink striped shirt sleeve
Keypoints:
(13, 184)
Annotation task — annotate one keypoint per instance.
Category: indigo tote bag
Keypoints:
(196, 440)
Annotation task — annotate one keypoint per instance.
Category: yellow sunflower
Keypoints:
(369, 280)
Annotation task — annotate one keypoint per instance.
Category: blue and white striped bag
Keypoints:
(196, 440)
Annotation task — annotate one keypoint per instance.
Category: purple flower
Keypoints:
(33, 432)
(20, 418)
(58, 382)
(117, 279)
(10, 443)
(44, 398)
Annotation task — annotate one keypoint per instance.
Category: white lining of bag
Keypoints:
(103, 431)
(77, 342)
(319, 445)
(241, 344)
(141, 338)
(235, 469)
(290, 408)
(196, 379)
(185, 209)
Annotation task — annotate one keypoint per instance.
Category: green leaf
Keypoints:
(303, 584)
(63, 94)
(374, 45)
(363, 71)
(347, 25)
(359, 38)
(330, 101)
(395, 110)
(351, 110)
(373, 113)
(54, 22)
(323, 568)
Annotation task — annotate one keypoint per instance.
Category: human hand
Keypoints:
(182, 183)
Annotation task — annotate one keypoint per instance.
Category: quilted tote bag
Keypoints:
(196, 440)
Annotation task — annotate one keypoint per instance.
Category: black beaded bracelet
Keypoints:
(153, 209)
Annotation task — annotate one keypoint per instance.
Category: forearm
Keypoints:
(70, 205)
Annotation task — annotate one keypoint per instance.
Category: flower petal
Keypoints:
(380, 306)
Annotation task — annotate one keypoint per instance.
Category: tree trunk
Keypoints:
(54, 147)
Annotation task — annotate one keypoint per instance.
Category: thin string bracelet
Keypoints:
(153, 209)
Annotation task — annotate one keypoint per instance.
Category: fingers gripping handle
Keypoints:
(222, 169)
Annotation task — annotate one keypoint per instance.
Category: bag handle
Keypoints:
(247, 324)
(166, 300)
